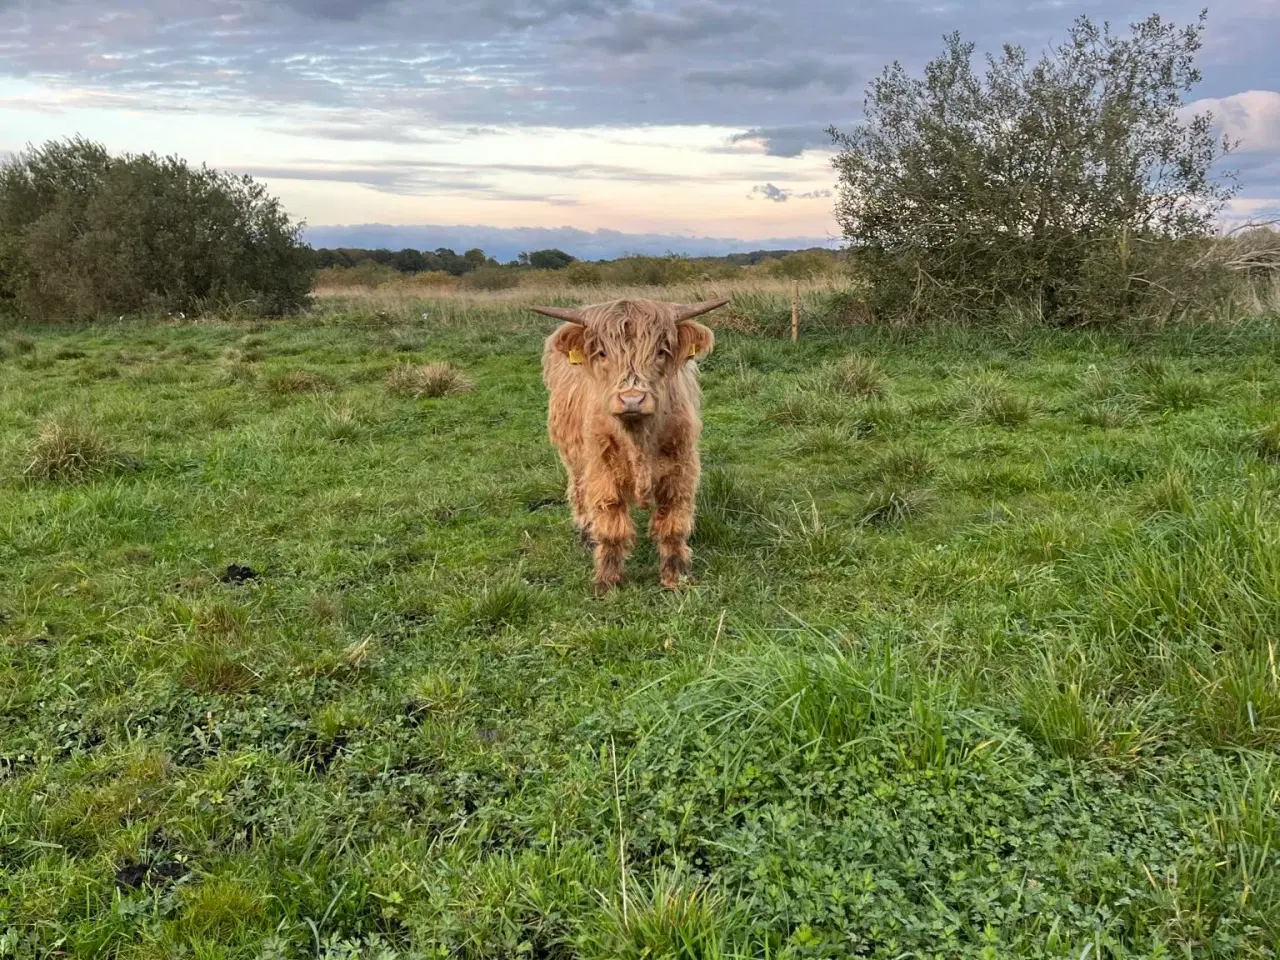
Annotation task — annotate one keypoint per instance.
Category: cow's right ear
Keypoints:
(571, 340)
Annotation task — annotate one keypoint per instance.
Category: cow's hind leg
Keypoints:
(671, 524)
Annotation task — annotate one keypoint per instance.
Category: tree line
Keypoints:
(444, 260)
(441, 260)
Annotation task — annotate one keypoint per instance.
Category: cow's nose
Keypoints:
(632, 401)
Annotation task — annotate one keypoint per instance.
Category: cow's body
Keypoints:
(625, 415)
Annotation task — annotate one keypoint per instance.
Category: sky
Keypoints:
(606, 123)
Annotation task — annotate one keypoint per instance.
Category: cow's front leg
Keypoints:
(577, 495)
(671, 524)
(614, 534)
(609, 483)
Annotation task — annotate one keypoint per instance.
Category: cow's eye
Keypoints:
(601, 355)
(663, 353)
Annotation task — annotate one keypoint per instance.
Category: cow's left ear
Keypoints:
(695, 340)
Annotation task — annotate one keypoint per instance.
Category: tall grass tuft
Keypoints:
(856, 376)
(671, 915)
(1212, 576)
(1266, 441)
(18, 345)
(68, 450)
(1170, 494)
(988, 400)
(297, 381)
(500, 604)
(892, 503)
(429, 380)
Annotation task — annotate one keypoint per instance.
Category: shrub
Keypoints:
(642, 271)
(1072, 186)
(547, 259)
(802, 265)
(367, 273)
(491, 278)
(581, 274)
(84, 234)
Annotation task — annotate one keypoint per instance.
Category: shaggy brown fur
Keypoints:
(625, 415)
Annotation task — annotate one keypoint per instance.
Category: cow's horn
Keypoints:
(572, 316)
(698, 309)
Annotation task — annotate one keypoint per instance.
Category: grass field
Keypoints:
(300, 659)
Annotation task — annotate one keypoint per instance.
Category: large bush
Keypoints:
(1074, 186)
(84, 234)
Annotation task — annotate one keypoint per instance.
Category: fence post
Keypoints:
(795, 312)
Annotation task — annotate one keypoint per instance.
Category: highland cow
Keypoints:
(625, 415)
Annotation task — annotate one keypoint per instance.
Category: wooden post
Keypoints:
(795, 312)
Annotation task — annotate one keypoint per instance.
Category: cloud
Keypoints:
(423, 64)
(637, 31)
(770, 192)
(506, 242)
(779, 77)
(786, 141)
(778, 195)
(362, 133)
(340, 10)
(418, 177)
(415, 71)
(1251, 117)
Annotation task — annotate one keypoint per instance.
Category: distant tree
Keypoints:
(409, 261)
(451, 263)
(803, 264)
(475, 259)
(325, 258)
(85, 234)
(1072, 184)
(547, 259)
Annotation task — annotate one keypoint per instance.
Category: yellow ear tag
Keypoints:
(576, 356)
(693, 351)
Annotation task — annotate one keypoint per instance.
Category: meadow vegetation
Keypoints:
(300, 656)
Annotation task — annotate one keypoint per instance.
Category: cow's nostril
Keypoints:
(632, 401)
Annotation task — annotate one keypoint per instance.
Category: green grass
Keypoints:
(982, 659)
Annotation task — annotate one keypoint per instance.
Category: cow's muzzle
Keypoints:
(632, 404)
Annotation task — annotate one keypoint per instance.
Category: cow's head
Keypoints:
(632, 349)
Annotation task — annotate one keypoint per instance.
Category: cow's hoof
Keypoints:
(677, 581)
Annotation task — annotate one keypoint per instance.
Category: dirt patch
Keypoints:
(134, 875)
(236, 574)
